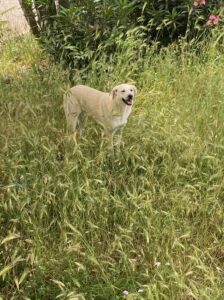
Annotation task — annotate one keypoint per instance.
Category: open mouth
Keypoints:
(127, 101)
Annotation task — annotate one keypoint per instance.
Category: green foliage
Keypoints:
(169, 20)
(88, 29)
(76, 225)
(81, 31)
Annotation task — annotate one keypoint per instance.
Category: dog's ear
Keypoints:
(114, 92)
(135, 89)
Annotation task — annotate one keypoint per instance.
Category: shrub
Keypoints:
(81, 30)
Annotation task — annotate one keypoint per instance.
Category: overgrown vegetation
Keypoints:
(78, 32)
(147, 225)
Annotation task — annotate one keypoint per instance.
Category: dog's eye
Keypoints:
(131, 90)
(123, 91)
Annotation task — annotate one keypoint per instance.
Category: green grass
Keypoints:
(78, 225)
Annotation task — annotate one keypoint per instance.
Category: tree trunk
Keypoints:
(30, 16)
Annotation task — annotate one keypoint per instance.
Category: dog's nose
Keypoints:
(130, 96)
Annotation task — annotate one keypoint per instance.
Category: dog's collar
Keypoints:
(129, 104)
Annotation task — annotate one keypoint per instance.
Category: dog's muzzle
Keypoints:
(128, 100)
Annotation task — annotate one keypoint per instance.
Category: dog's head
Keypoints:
(124, 93)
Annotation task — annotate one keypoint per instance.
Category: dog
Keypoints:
(111, 110)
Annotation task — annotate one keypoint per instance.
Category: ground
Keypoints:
(10, 11)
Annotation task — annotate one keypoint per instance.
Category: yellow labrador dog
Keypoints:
(111, 110)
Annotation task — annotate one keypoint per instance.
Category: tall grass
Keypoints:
(76, 225)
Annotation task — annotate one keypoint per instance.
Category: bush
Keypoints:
(86, 29)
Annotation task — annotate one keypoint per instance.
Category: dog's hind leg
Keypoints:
(72, 111)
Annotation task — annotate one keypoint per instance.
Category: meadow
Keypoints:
(147, 224)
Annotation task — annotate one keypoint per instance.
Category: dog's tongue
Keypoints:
(127, 101)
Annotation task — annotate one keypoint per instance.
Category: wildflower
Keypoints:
(125, 293)
(212, 17)
(213, 20)
(195, 4)
(198, 2)
(157, 264)
(216, 21)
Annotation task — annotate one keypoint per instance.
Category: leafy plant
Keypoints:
(77, 32)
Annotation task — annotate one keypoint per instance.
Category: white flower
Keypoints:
(140, 291)
(157, 264)
(125, 292)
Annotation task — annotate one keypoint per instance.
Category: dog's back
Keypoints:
(86, 93)
(89, 100)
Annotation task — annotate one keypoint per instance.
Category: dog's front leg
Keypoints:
(118, 138)
(110, 144)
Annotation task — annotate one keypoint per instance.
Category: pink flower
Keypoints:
(212, 17)
(216, 21)
(195, 4)
(213, 20)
